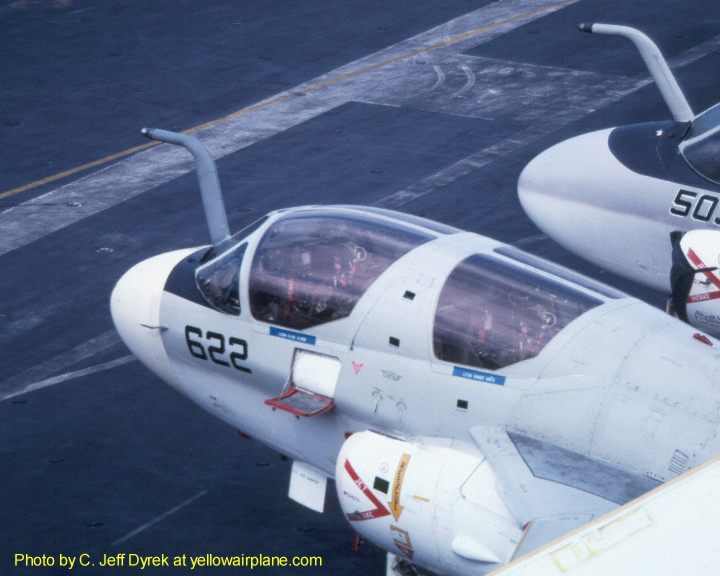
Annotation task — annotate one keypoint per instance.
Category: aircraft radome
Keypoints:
(471, 401)
(641, 200)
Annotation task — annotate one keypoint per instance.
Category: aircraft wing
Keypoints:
(552, 490)
(668, 531)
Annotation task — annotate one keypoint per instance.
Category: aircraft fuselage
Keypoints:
(619, 378)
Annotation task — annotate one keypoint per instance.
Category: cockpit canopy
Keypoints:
(701, 148)
(492, 314)
(312, 267)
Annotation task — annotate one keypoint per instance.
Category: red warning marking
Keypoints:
(695, 259)
(702, 338)
(378, 512)
(704, 297)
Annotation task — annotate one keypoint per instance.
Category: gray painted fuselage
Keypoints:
(623, 384)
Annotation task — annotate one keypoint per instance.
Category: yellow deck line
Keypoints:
(313, 87)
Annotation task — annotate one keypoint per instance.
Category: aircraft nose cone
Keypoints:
(585, 198)
(555, 188)
(135, 308)
(576, 192)
(535, 184)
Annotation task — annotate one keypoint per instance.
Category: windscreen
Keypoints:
(492, 314)
(703, 154)
(219, 280)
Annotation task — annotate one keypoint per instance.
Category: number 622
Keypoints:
(211, 346)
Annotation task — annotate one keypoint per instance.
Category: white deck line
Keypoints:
(70, 204)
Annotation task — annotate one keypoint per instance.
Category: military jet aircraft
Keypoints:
(470, 400)
(629, 198)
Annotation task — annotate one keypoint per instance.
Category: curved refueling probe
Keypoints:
(682, 273)
(656, 65)
(210, 190)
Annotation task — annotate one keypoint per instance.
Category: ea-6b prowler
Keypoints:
(471, 401)
(641, 200)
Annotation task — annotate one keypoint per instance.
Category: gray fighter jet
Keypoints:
(641, 200)
(470, 400)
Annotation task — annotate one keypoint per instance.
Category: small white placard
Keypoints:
(307, 486)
